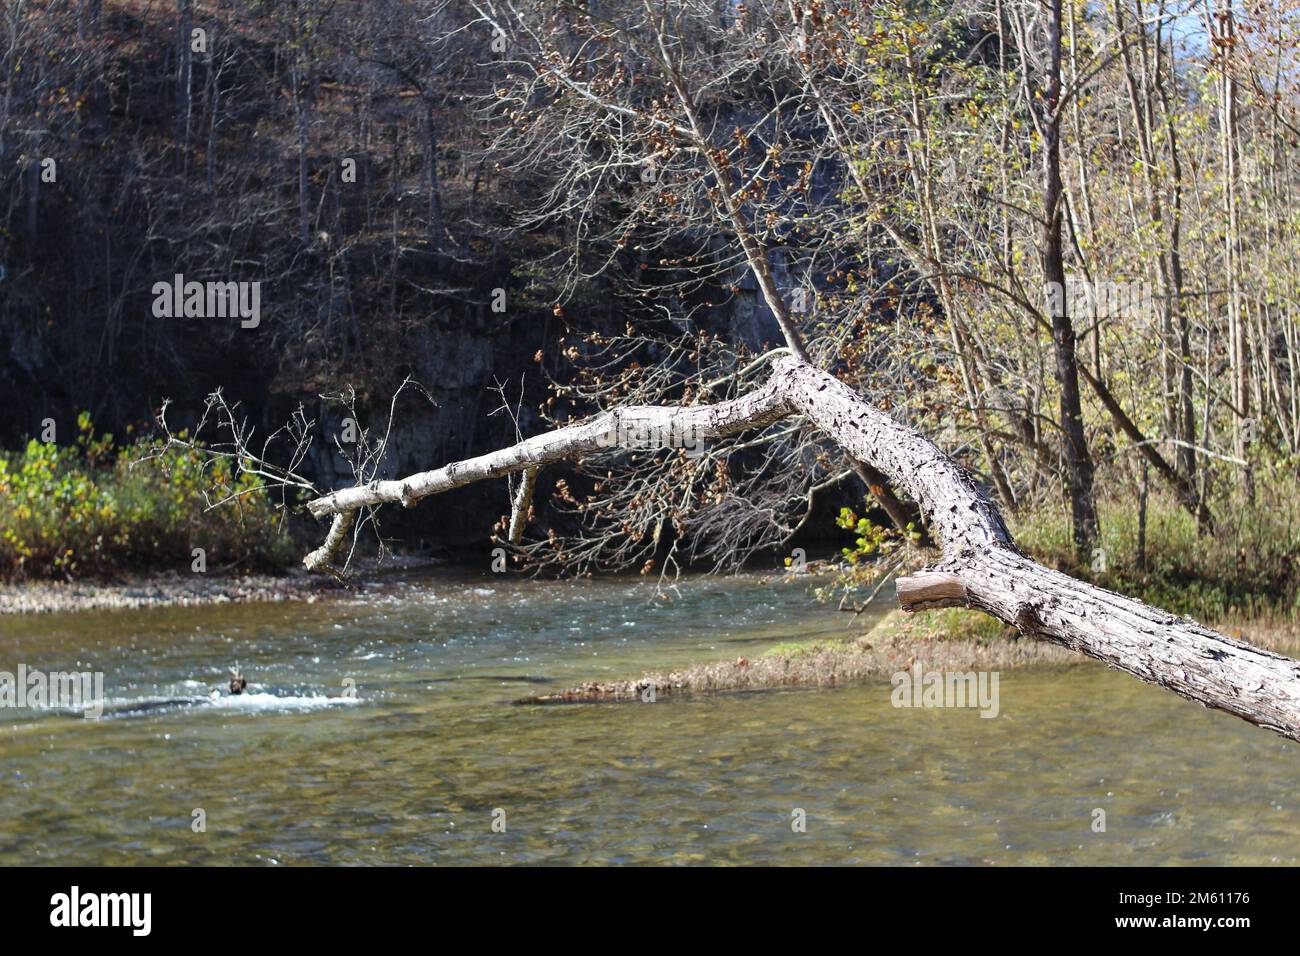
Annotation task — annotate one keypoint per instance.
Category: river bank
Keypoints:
(158, 590)
(948, 641)
(178, 589)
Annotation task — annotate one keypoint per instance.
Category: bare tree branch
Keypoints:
(981, 568)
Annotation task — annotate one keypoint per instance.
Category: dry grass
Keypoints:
(948, 641)
(954, 640)
(1271, 632)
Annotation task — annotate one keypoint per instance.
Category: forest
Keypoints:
(1071, 274)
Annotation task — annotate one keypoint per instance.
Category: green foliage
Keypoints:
(96, 508)
(877, 549)
(871, 540)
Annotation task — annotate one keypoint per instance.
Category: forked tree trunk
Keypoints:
(981, 566)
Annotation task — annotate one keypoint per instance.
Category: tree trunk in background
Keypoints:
(1237, 331)
(33, 172)
(214, 109)
(436, 231)
(304, 191)
(1185, 428)
(184, 76)
(1078, 462)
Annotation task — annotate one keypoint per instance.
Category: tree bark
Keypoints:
(981, 567)
(1153, 645)
(1078, 461)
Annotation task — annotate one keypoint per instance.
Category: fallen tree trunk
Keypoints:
(981, 566)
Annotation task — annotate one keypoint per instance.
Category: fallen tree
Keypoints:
(981, 567)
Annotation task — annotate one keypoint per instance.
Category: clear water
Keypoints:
(412, 770)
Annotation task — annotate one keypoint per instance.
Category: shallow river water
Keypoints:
(416, 768)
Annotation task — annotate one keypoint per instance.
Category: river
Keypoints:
(430, 753)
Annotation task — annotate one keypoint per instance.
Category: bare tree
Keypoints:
(981, 567)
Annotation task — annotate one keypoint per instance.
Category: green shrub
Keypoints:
(97, 509)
